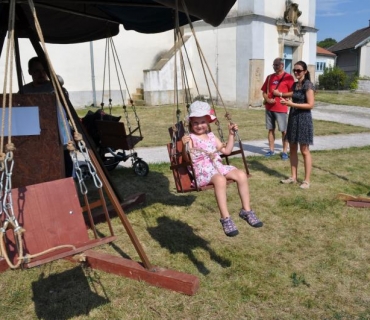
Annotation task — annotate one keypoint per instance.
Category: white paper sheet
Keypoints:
(25, 121)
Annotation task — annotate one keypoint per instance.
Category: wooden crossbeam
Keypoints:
(159, 277)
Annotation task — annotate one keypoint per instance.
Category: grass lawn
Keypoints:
(310, 260)
(155, 121)
(345, 98)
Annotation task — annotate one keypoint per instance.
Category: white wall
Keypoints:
(329, 62)
(365, 61)
(136, 52)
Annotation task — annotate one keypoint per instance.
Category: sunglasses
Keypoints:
(298, 70)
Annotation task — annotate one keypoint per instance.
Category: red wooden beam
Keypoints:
(3, 265)
(159, 277)
(358, 204)
(69, 252)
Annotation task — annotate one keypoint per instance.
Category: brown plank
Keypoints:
(358, 204)
(159, 277)
(346, 197)
(38, 158)
(3, 265)
(50, 213)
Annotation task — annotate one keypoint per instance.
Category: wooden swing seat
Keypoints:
(113, 135)
(183, 171)
(51, 215)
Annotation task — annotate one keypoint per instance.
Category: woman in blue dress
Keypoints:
(300, 126)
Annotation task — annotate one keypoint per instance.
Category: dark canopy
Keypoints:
(73, 21)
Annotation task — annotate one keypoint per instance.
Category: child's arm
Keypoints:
(187, 144)
(226, 150)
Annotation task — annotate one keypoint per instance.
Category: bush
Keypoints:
(333, 79)
(353, 81)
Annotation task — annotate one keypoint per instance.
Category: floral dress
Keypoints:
(300, 126)
(206, 159)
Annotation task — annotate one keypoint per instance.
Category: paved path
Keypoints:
(357, 116)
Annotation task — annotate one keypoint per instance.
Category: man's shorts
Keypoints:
(280, 117)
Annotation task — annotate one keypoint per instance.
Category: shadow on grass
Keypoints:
(156, 187)
(256, 165)
(344, 178)
(178, 237)
(70, 288)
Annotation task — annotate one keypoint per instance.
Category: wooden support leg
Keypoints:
(159, 277)
(111, 192)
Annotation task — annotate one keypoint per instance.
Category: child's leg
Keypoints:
(241, 179)
(219, 182)
(220, 185)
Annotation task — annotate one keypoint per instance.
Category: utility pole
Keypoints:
(93, 73)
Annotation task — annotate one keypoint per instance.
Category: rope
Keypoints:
(53, 76)
(9, 51)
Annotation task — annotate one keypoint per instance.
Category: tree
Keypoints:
(328, 42)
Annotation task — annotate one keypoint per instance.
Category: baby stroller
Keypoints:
(112, 142)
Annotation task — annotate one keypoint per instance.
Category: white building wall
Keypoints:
(365, 61)
(329, 62)
(136, 52)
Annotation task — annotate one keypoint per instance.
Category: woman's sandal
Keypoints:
(288, 181)
(305, 185)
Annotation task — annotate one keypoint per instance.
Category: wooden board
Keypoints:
(160, 277)
(50, 213)
(348, 197)
(38, 158)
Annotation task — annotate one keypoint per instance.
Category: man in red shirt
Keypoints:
(275, 111)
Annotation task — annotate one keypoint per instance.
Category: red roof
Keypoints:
(323, 52)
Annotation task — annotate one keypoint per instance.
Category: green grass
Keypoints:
(309, 261)
(155, 121)
(344, 98)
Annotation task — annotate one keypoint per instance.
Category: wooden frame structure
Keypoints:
(51, 214)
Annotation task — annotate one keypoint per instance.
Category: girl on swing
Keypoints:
(204, 148)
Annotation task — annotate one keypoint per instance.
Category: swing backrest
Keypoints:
(113, 135)
(182, 170)
(107, 132)
(39, 158)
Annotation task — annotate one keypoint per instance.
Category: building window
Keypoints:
(288, 58)
(320, 66)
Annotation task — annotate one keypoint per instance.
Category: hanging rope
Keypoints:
(7, 158)
(112, 51)
(59, 94)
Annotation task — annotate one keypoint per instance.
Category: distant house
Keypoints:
(353, 53)
(324, 59)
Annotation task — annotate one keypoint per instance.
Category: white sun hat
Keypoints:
(200, 109)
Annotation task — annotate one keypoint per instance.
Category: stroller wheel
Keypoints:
(141, 168)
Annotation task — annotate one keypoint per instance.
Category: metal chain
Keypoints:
(7, 204)
(92, 170)
(78, 171)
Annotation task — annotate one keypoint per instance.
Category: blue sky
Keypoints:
(339, 18)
